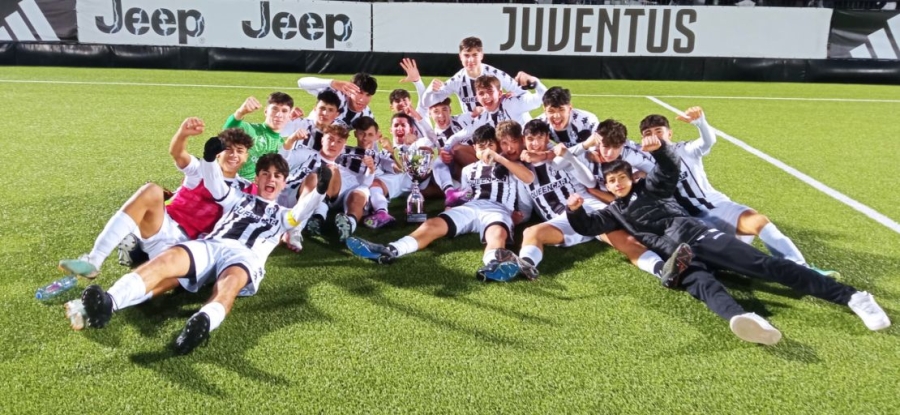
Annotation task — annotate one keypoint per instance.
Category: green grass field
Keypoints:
(333, 334)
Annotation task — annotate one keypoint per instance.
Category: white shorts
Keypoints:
(570, 237)
(724, 216)
(478, 215)
(399, 184)
(209, 257)
(169, 235)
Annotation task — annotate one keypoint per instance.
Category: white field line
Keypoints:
(865, 210)
(283, 88)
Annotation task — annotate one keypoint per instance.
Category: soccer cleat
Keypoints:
(324, 179)
(314, 224)
(752, 328)
(670, 276)
(343, 225)
(75, 313)
(498, 271)
(293, 238)
(455, 197)
(378, 220)
(864, 305)
(195, 333)
(826, 272)
(98, 306)
(370, 250)
(526, 267)
(130, 253)
(80, 267)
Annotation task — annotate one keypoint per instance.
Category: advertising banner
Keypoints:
(37, 20)
(252, 24)
(760, 32)
(864, 35)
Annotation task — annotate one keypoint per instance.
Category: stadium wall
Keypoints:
(567, 42)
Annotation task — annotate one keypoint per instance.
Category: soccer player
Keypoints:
(325, 113)
(557, 178)
(568, 125)
(700, 199)
(647, 209)
(471, 53)
(266, 136)
(610, 142)
(452, 159)
(354, 95)
(190, 213)
(493, 181)
(232, 257)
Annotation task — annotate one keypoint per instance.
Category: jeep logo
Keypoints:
(310, 26)
(164, 22)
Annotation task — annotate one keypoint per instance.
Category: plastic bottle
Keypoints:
(56, 288)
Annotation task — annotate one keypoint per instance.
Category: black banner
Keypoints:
(864, 35)
(37, 21)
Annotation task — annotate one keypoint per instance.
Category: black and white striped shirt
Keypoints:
(582, 125)
(515, 108)
(479, 179)
(551, 188)
(464, 87)
(631, 152)
(302, 162)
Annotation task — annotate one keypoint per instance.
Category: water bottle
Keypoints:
(56, 288)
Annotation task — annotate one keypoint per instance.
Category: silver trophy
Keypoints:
(417, 163)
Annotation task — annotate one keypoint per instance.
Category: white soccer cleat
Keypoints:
(294, 239)
(752, 328)
(75, 314)
(864, 305)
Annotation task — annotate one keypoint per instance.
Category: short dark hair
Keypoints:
(616, 166)
(280, 98)
(487, 82)
(471, 42)
(398, 95)
(485, 134)
(445, 102)
(557, 97)
(365, 82)
(329, 97)
(653, 121)
(612, 133)
(337, 129)
(236, 136)
(273, 159)
(536, 127)
(364, 123)
(409, 118)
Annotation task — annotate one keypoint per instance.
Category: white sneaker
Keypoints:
(294, 239)
(864, 305)
(75, 313)
(755, 329)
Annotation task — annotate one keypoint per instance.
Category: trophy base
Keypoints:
(416, 217)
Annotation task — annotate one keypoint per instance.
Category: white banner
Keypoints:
(759, 32)
(253, 24)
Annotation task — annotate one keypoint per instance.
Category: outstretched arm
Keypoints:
(702, 145)
(565, 160)
(517, 169)
(178, 146)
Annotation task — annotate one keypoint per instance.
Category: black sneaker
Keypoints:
(195, 333)
(526, 267)
(98, 306)
(314, 225)
(672, 271)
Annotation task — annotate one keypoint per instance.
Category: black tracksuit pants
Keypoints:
(719, 250)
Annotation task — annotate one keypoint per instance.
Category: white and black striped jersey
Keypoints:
(255, 222)
(478, 179)
(582, 125)
(631, 152)
(551, 189)
(457, 123)
(464, 87)
(515, 108)
(316, 85)
(302, 162)
(352, 159)
(314, 135)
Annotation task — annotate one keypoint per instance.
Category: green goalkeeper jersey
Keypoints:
(265, 141)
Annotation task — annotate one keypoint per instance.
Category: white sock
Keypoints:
(780, 245)
(405, 245)
(128, 291)
(441, 173)
(531, 252)
(489, 255)
(118, 226)
(747, 239)
(322, 210)
(377, 199)
(352, 223)
(216, 313)
(650, 263)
